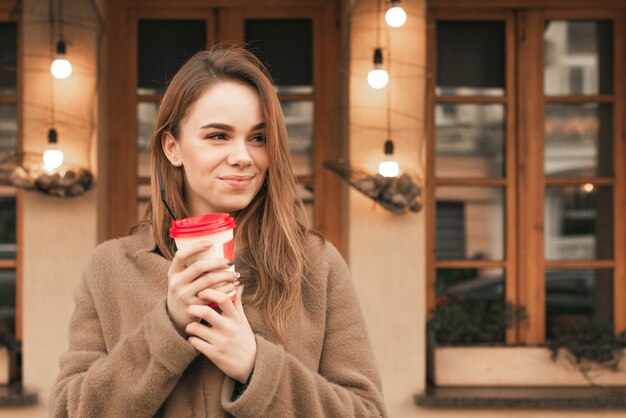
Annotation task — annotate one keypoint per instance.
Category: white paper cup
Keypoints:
(215, 227)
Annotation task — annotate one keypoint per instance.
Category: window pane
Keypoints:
(7, 227)
(578, 57)
(469, 307)
(143, 197)
(579, 222)
(470, 223)
(470, 58)
(305, 192)
(146, 114)
(574, 296)
(578, 140)
(299, 120)
(7, 301)
(8, 58)
(164, 45)
(469, 140)
(8, 126)
(285, 46)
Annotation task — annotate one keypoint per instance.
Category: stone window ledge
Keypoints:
(531, 398)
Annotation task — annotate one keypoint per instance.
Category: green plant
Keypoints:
(590, 344)
(469, 321)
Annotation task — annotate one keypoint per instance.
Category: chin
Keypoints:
(235, 205)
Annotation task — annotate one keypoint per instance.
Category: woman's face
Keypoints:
(221, 146)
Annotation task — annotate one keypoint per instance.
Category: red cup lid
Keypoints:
(196, 226)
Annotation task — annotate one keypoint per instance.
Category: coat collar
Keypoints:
(141, 241)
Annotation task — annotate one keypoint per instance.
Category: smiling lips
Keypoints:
(237, 182)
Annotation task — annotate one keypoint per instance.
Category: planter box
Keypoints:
(8, 366)
(513, 367)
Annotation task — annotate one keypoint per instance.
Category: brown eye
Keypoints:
(219, 136)
(258, 138)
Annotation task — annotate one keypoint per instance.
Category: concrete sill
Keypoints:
(522, 398)
(14, 395)
(523, 367)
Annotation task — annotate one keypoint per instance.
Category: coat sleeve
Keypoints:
(347, 383)
(132, 380)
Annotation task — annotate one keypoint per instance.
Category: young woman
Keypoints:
(143, 341)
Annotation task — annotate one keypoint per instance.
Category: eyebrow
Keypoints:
(230, 128)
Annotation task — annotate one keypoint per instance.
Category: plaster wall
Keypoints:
(57, 234)
(387, 252)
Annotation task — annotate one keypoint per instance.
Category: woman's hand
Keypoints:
(184, 283)
(228, 340)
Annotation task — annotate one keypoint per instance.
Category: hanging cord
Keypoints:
(60, 19)
(378, 9)
(389, 84)
(52, 50)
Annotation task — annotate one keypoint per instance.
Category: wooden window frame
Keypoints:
(8, 14)
(121, 178)
(524, 120)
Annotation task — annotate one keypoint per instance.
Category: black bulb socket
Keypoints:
(378, 56)
(52, 136)
(60, 48)
(389, 147)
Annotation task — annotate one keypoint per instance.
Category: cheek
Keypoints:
(261, 160)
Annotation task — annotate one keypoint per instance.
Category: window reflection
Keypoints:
(7, 301)
(579, 222)
(146, 114)
(163, 46)
(8, 58)
(8, 126)
(578, 57)
(470, 307)
(578, 140)
(574, 296)
(470, 223)
(469, 140)
(481, 43)
(7, 223)
(299, 120)
(285, 46)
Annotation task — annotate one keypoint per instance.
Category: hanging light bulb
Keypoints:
(52, 157)
(395, 15)
(378, 77)
(61, 68)
(389, 167)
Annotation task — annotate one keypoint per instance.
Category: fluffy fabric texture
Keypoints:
(126, 359)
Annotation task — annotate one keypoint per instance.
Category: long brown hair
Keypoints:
(268, 231)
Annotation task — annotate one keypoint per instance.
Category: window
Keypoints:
(159, 55)
(9, 146)
(286, 48)
(526, 168)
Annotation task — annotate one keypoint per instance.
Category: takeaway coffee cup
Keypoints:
(215, 227)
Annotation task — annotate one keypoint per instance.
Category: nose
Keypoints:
(239, 154)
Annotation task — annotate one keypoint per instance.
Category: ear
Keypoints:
(171, 149)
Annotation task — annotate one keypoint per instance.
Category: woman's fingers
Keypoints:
(203, 311)
(200, 268)
(223, 301)
(179, 262)
(213, 280)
